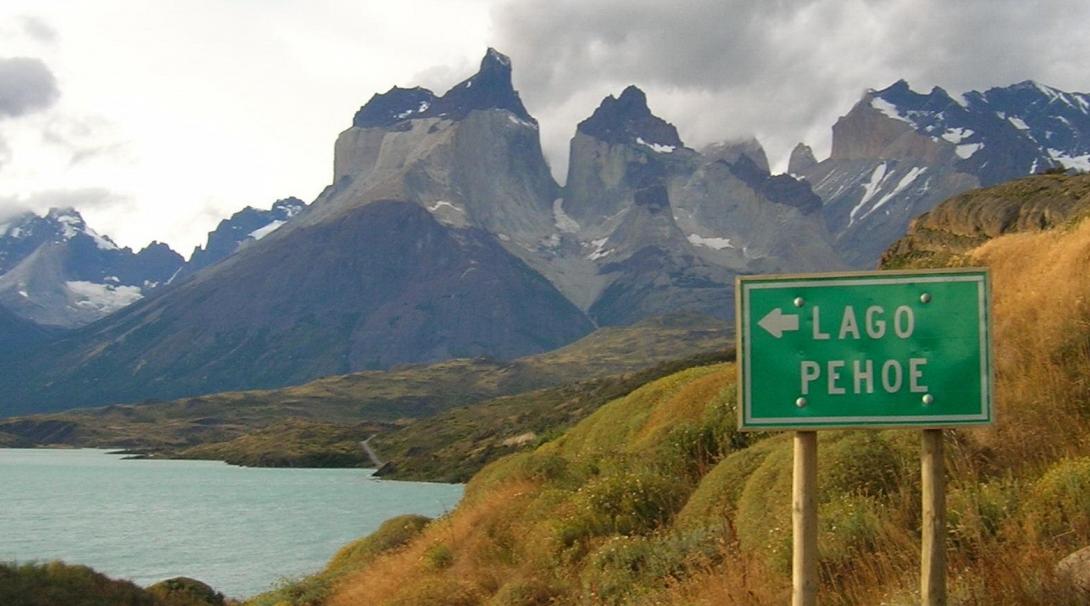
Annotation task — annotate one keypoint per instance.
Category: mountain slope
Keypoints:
(383, 285)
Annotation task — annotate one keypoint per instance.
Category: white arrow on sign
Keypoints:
(777, 323)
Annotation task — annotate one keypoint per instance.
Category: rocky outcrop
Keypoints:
(968, 220)
(802, 159)
(732, 151)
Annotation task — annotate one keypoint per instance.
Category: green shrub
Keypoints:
(715, 499)
(976, 512)
(438, 557)
(527, 592)
(623, 501)
(849, 527)
(436, 592)
(71, 585)
(626, 567)
(1058, 506)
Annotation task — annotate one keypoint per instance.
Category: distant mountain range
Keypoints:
(444, 234)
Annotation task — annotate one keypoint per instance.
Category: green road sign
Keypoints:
(865, 349)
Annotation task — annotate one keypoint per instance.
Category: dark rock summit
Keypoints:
(489, 88)
(627, 119)
(393, 106)
(802, 159)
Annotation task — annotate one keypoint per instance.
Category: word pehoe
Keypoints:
(859, 377)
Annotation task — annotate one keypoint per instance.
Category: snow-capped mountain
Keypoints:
(242, 228)
(57, 271)
(898, 153)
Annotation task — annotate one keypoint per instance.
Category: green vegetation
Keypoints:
(293, 443)
(58, 583)
(317, 422)
(454, 445)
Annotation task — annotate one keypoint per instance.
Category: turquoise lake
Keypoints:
(241, 530)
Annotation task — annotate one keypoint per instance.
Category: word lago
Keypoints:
(864, 349)
(874, 323)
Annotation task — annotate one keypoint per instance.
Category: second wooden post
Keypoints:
(933, 541)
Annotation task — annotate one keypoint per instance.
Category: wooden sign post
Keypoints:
(804, 520)
(865, 350)
(933, 541)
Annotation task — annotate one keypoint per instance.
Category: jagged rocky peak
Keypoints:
(489, 88)
(628, 120)
(287, 208)
(393, 106)
(246, 225)
(731, 151)
(802, 158)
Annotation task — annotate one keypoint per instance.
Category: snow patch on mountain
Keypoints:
(103, 298)
(902, 185)
(563, 222)
(1018, 123)
(440, 204)
(870, 188)
(714, 243)
(599, 249)
(261, 232)
(656, 147)
(957, 135)
(967, 150)
(1077, 162)
(889, 110)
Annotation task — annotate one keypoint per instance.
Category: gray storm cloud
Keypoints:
(26, 85)
(782, 70)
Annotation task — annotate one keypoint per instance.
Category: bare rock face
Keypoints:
(802, 159)
(732, 151)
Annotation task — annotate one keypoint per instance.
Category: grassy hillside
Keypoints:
(656, 499)
(383, 400)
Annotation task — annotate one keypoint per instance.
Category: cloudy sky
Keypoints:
(157, 119)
